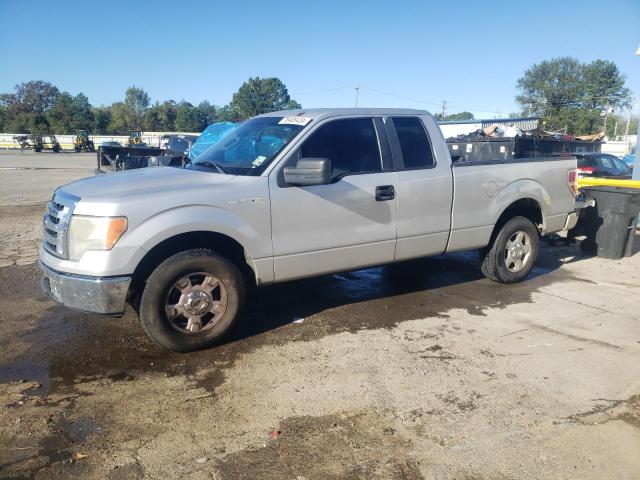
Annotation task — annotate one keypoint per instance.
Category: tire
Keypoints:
(174, 330)
(498, 264)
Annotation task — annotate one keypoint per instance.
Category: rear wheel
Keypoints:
(191, 300)
(512, 254)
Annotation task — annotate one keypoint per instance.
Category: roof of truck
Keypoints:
(331, 112)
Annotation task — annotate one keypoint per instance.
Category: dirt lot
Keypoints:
(420, 370)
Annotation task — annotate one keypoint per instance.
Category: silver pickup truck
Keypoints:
(288, 195)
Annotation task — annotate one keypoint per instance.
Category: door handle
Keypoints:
(385, 192)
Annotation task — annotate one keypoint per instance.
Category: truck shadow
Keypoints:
(304, 310)
(381, 297)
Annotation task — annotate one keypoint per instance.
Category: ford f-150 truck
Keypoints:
(288, 195)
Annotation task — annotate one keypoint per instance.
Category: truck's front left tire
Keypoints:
(191, 300)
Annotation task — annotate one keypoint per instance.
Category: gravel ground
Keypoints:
(423, 370)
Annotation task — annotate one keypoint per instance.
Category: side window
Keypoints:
(605, 162)
(414, 143)
(350, 144)
(620, 167)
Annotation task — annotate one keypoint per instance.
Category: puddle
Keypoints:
(606, 410)
(69, 348)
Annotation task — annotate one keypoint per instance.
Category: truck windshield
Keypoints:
(248, 149)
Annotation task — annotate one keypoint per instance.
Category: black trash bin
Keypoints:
(610, 225)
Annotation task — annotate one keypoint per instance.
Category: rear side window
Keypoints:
(586, 162)
(414, 143)
(351, 145)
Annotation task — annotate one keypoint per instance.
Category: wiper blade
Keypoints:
(212, 164)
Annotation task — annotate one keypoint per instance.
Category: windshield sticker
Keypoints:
(302, 121)
(258, 161)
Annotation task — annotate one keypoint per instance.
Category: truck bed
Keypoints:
(482, 191)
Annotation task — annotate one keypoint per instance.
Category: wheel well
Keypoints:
(526, 207)
(222, 244)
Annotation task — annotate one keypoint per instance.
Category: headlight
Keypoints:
(94, 233)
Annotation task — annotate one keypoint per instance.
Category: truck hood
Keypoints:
(122, 186)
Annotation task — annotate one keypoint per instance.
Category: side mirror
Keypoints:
(309, 171)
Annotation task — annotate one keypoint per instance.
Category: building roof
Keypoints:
(490, 120)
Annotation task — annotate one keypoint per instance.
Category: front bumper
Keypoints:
(89, 294)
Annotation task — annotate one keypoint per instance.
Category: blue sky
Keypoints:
(402, 53)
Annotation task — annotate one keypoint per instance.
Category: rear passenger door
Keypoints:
(346, 224)
(425, 186)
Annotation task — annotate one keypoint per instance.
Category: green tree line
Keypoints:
(40, 107)
(574, 96)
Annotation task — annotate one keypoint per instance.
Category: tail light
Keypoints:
(572, 181)
(586, 170)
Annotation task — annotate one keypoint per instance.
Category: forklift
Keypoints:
(37, 143)
(82, 142)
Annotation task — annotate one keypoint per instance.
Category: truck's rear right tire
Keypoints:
(513, 252)
(191, 300)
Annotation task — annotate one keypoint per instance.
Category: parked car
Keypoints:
(603, 165)
(288, 195)
(630, 157)
(110, 143)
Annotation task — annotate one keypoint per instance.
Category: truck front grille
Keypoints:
(56, 223)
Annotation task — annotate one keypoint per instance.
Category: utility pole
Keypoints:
(357, 87)
(636, 170)
(626, 130)
(444, 109)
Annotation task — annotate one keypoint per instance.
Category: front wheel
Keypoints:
(191, 300)
(512, 254)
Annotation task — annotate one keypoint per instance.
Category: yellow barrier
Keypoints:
(606, 182)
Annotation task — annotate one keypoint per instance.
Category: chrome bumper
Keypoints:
(89, 294)
(572, 220)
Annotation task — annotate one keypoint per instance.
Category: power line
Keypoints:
(323, 90)
(359, 87)
(400, 96)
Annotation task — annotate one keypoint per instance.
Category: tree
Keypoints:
(188, 118)
(161, 117)
(101, 119)
(60, 115)
(36, 96)
(227, 114)
(261, 95)
(617, 125)
(3, 117)
(129, 115)
(69, 114)
(208, 112)
(26, 109)
(136, 101)
(604, 89)
(458, 116)
(569, 94)
(82, 114)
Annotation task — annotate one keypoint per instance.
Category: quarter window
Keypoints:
(414, 143)
(351, 145)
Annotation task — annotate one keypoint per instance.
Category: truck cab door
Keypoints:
(425, 185)
(346, 224)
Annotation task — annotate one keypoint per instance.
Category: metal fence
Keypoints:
(152, 139)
